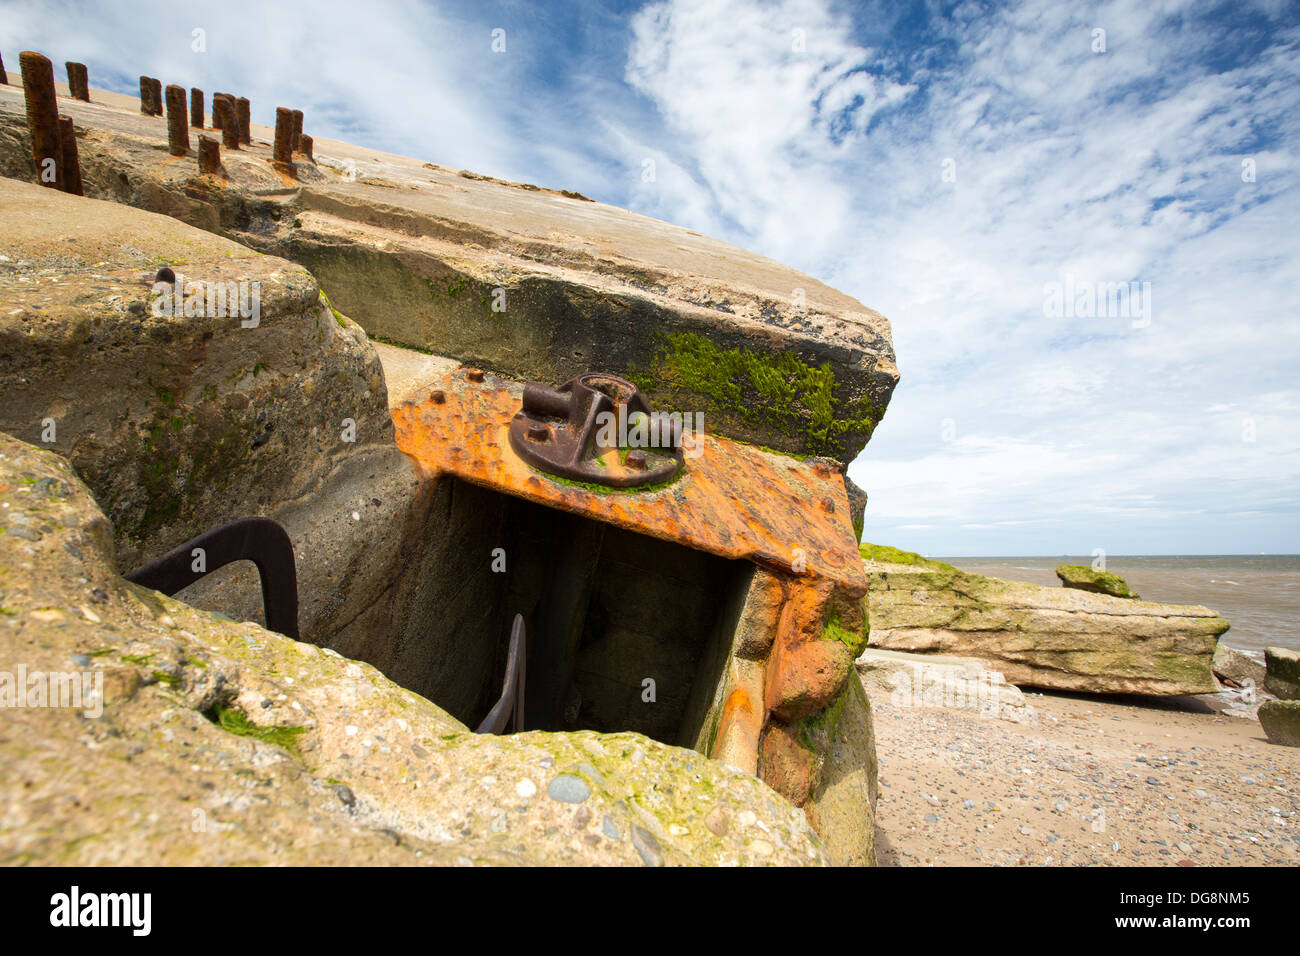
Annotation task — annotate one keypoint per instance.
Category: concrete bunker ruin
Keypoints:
(708, 611)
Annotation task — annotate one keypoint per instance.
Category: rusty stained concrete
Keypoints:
(732, 500)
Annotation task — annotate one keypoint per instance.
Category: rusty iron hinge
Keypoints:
(599, 429)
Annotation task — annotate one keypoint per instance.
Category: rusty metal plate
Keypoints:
(731, 499)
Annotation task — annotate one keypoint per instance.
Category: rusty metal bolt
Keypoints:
(307, 145)
(474, 374)
(438, 396)
(78, 81)
(209, 156)
(828, 506)
(196, 107)
(636, 460)
(178, 130)
(243, 114)
(71, 160)
(297, 130)
(538, 432)
(224, 107)
(42, 118)
(282, 150)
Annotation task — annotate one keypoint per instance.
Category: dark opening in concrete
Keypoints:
(625, 632)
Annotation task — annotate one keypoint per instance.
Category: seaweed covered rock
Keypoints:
(1281, 721)
(199, 741)
(1282, 672)
(1059, 638)
(1084, 578)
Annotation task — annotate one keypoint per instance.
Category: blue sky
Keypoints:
(947, 164)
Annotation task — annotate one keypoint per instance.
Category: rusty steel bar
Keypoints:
(511, 702)
(42, 118)
(297, 130)
(307, 144)
(243, 113)
(217, 116)
(78, 81)
(196, 107)
(259, 540)
(71, 161)
(4, 77)
(224, 106)
(209, 156)
(156, 84)
(282, 150)
(178, 129)
(146, 90)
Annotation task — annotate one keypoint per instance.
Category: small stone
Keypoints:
(760, 848)
(610, 829)
(931, 818)
(526, 788)
(647, 846)
(716, 821)
(1153, 781)
(746, 818)
(568, 789)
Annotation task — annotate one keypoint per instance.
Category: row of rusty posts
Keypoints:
(232, 116)
(54, 142)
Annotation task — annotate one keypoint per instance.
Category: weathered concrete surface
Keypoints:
(932, 680)
(1232, 664)
(202, 741)
(420, 254)
(179, 423)
(1045, 637)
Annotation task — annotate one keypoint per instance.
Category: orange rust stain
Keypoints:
(731, 500)
(739, 730)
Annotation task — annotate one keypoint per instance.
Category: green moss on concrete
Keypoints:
(781, 392)
(171, 489)
(234, 721)
(884, 553)
(855, 641)
(817, 730)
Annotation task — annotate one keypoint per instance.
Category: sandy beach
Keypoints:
(1096, 782)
